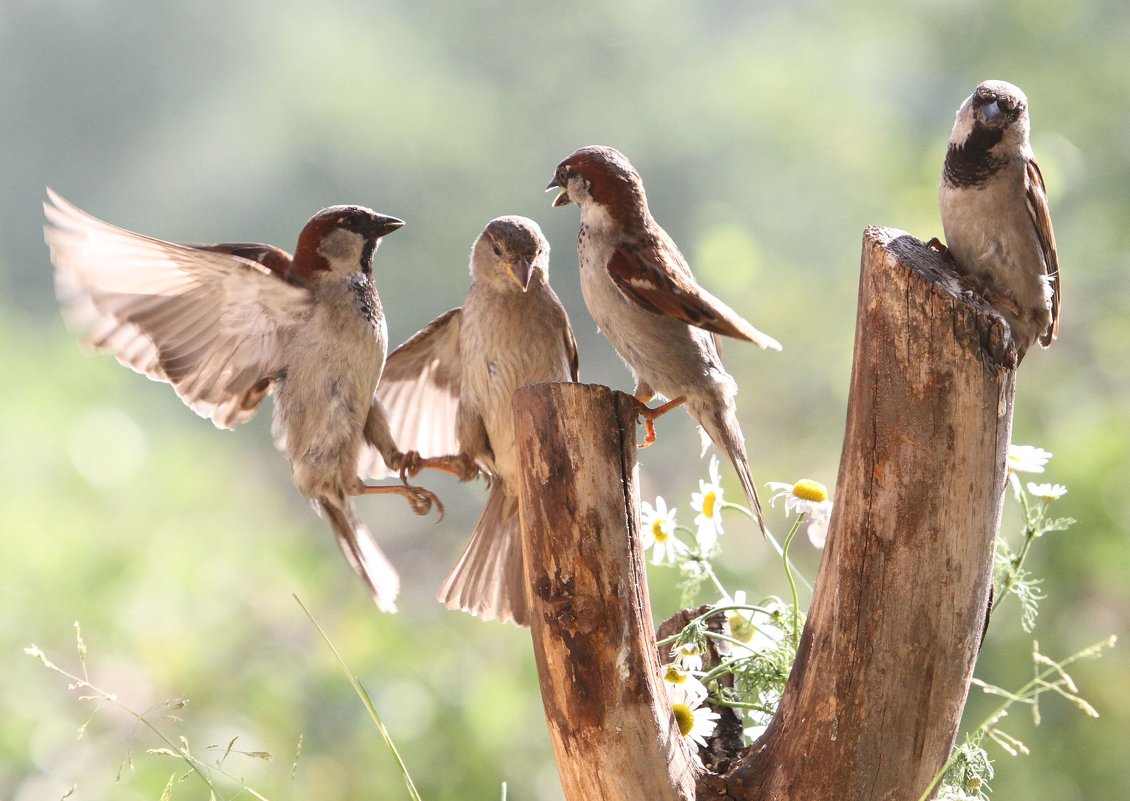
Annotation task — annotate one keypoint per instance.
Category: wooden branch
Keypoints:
(874, 700)
(611, 726)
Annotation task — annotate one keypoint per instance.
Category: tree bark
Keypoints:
(872, 706)
(609, 719)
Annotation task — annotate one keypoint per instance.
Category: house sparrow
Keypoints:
(448, 393)
(645, 299)
(995, 213)
(227, 324)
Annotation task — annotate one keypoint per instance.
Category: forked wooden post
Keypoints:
(874, 700)
(609, 720)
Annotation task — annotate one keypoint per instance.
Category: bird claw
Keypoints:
(649, 433)
(422, 500)
(649, 416)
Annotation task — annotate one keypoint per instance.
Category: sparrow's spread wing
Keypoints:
(654, 276)
(207, 321)
(419, 390)
(1038, 207)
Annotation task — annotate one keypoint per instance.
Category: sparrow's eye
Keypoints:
(497, 250)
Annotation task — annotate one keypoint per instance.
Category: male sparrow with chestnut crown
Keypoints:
(227, 324)
(644, 298)
(995, 213)
(448, 393)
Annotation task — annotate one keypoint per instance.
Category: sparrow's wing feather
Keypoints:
(419, 390)
(655, 277)
(567, 332)
(206, 321)
(574, 358)
(1037, 196)
(274, 259)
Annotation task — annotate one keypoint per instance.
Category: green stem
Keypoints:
(789, 576)
(714, 578)
(1021, 695)
(742, 705)
(717, 610)
(1031, 526)
(772, 541)
(193, 762)
(367, 701)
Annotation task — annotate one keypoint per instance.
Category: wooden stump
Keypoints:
(609, 718)
(872, 707)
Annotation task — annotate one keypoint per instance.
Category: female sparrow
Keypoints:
(448, 393)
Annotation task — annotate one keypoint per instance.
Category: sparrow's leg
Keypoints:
(420, 499)
(649, 416)
(459, 465)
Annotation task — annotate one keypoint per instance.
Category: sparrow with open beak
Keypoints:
(644, 298)
(227, 324)
(995, 213)
(448, 393)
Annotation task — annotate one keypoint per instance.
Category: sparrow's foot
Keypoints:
(936, 245)
(420, 499)
(460, 465)
(650, 415)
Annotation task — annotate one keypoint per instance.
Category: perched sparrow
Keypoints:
(644, 298)
(448, 394)
(995, 213)
(227, 324)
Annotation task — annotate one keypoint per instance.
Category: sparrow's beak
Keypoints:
(992, 112)
(383, 225)
(520, 271)
(563, 198)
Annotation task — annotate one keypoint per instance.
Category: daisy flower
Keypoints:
(675, 678)
(809, 498)
(658, 532)
(695, 721)
(1047, 492)
(688, 656)
(1027, 459)
(753, 628)
(708, 503)
(1024, 459)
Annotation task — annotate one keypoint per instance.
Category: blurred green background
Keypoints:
(769, 135)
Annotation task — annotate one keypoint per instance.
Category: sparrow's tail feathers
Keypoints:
(362, 552)
(489, 580)
(723, 429)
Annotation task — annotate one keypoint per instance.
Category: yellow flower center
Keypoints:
(659, 530)
(684, 718)
(708, 501)
(675, 676)
(741, 628)
(808, 490)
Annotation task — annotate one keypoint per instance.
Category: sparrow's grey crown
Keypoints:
(520, 235)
